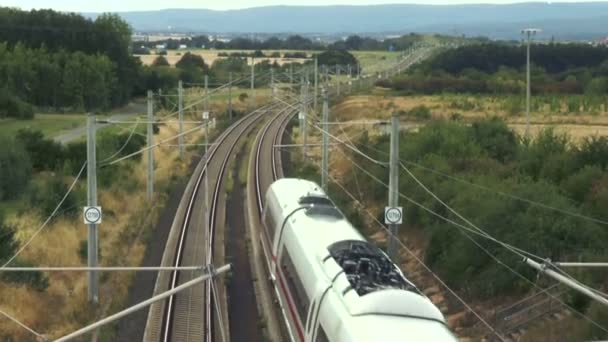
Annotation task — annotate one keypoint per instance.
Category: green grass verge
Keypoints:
(50, 124)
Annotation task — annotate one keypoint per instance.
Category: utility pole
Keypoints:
(206, 102)
(325, 154)
(230, 95)
(150, 141)
(302, 115)
(305, 126)
(316, 82)
(326, 78)
(253, 81)
(92, 245)
(350, 79)
(180, 106)
(338, 80)
(291, 77)
(529, 33)
(272, 83)
(393, 186)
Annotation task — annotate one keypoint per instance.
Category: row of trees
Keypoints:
(297, 42)
(65, 61)
(61, 79)
(192, 68)
(500, 69)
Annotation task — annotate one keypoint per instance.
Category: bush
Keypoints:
(15, 168)
(46, 154)
(12, 106)
(160, 61)
(295, 55)
(419, 113)
(8, 245)
(34, 279)
(243, 97)
(47, 191)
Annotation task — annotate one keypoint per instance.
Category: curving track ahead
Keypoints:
(188, 315)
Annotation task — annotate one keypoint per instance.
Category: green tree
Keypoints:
(15, 168)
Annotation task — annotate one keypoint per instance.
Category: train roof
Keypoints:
(331, 242)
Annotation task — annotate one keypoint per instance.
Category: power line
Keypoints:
(481, 319)
(48, 218)
(501, 193)
(124, 145)
(16, 321)
(481, 247)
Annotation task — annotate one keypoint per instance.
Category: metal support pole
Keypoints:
(143, 304)
(92, 243)
(150, 141)
(253, 81)
(581, 264)
(316, 83)
(325, 154)
(272, 83)
(393, 185)
(350, 79)
(230, 95)
(338, 80)
(305, 121)
(206, 103)
(180, 106)
(567, 281)
(291, 77)
(528, 85)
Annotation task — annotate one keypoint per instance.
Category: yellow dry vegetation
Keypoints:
(128, 218)
(381, 106)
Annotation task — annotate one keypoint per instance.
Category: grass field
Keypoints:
(372, 61)
(49, 124)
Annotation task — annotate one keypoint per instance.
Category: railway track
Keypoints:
(189, 315)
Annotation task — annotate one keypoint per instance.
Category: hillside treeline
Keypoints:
(297, 42)
(500, 69)
(63, 61)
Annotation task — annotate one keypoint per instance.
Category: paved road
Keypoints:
(129, 113)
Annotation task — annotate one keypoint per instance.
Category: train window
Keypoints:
(321, 336)
(269, 223)
(296, 288)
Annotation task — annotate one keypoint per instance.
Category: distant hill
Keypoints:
(560, 20)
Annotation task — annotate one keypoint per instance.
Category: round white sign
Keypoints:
(393, 215)
(92, 215)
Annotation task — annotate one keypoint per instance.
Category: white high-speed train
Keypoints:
(331, 283)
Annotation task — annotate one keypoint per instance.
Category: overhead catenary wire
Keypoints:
(22, 325)
(48, 219)
(410, 252)
(123, 146)
(483, 248)
(501, 193)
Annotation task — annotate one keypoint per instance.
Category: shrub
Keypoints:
(46, 192)
(160, 61)
(15, 168)
(45, 154)
(12, 106)
(34, 279)
(243, 97)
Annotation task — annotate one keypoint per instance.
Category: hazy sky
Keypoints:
(138, 5)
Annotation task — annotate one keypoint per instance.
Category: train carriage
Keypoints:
(331, 283)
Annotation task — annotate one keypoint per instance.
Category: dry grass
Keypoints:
(128, 218)
(381, 106)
